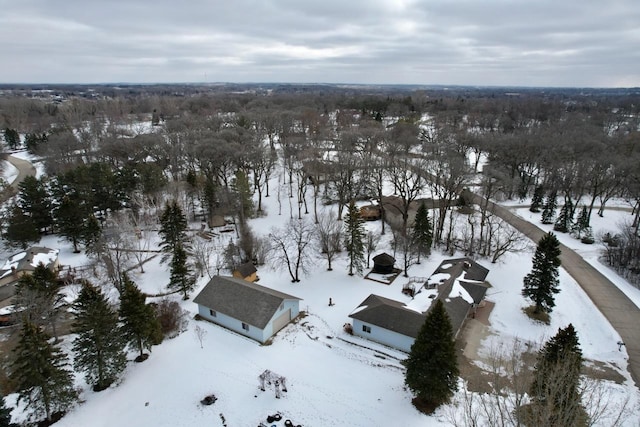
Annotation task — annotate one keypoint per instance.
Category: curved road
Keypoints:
(24, 167)
(623, 314)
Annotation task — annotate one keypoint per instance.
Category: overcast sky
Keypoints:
(592, 43)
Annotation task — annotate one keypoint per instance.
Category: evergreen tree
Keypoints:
(582, 223)
(182, 277)
(354, 239)
(12, 138)
(432, 367)
(91, 232)
(70, 217)
(41, 375)
(140, 323)
(422, 231)
(173, 227)
(21, 231)
(542, 283)
(33, 140)
(536, 201)
(5, 414)
(35, 201)
(565, 218)
(99, 347)
(549, 209)
(555, 393)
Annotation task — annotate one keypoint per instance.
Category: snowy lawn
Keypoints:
(333, 379)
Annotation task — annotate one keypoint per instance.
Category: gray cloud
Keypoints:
(493, 42)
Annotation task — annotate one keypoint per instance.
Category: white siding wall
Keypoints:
(233, 324)
(383, 336)
(260, 335)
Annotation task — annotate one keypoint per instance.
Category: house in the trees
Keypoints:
(459, 283)
(247, 308)
(246, 271)
(370, 212)
(26, 261)
(383, 263)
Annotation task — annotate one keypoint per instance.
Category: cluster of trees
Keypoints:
(551, 395)
(40, 370)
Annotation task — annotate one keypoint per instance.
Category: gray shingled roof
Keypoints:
(395, 316)
(246, 269)
(474, 270)
(389, 314)
(248, 302)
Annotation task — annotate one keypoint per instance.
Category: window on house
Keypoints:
(212, 313)
(366, 329)
(245, 326)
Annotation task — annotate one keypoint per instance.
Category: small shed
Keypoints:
(246, 271)
(383, 263)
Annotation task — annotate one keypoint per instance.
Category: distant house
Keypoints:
(246, 271)
(459, 283)
(370, 212)
(383, 263)
(244, 307)
(26, 261)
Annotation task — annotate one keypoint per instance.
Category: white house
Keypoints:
(247, 308)
(459, 283)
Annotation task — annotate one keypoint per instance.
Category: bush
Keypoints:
(172, 318)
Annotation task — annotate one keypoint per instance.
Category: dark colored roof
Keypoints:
(384, 259)
(389, 314)
(248, 302)
(474, 271)
(395, 316)
(476, 290)
(246, 269)
(457, 309)
(27, 259)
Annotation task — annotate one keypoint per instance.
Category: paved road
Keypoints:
(623, 314)
(24, 167)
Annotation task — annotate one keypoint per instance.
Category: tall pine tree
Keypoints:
(565, 218)
(182, 278)
(536, 201)
(432, 367)
(140, 323)
(99, 347)
(422, 235)
(549, 209)
(555, 391)
(354, 236)
(173, 227)
(21, 230)
(35, 200)
(542, 283)
(41, 375)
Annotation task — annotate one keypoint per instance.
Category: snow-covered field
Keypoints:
(333, 379)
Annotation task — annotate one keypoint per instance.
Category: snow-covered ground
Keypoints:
(333, 379)
(611, 221)
(9, 172)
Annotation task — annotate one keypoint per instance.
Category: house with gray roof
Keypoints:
(247, 308)
(25, 262)
(459, 283)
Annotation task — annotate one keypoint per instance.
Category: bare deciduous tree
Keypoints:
(329, 234)
(289, 247)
